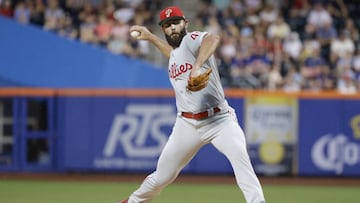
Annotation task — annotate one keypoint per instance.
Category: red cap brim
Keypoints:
(171, 18)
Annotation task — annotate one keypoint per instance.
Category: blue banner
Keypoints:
(124, 134)
(330, 137)
(285, 136)
(115, 133)
(71, 64)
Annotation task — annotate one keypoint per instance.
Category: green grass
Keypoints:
(12, 191)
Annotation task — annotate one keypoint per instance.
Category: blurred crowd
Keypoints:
(104, 23)
(288, 45)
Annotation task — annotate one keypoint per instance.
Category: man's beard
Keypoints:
(175, 42)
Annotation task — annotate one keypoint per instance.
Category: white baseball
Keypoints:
(135, 34)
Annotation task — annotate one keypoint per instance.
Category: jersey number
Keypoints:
(194, 36)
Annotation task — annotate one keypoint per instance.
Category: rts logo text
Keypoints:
(133, 130)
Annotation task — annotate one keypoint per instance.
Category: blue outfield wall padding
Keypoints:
(37, 58)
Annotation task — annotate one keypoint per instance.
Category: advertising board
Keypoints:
(330, 138)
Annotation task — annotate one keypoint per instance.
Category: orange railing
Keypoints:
(49, 92)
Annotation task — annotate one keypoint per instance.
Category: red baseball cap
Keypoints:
(171, 13)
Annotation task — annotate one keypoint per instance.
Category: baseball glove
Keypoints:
(199, 82)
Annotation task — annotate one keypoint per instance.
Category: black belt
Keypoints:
(201, 115)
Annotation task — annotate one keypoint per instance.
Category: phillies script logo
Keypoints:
(176, 70)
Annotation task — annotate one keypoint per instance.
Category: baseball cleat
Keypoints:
(123, 201)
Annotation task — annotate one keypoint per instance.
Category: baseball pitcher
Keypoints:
(204, 116)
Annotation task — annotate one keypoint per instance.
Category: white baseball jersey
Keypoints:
(180, 65)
